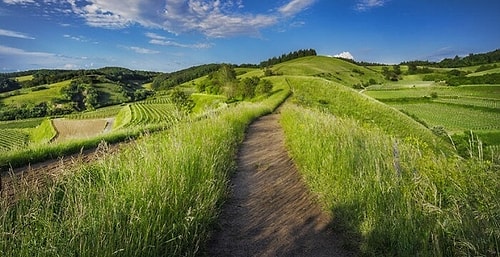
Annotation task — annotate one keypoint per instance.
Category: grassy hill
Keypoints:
(392, 181)
(333, 69)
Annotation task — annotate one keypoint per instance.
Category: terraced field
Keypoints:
(146, 112)
(12, 138)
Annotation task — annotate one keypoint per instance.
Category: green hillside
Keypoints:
(366, 144)
(333, 69)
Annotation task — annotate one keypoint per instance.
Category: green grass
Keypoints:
(123, 117)
(204, 102)
(330, 68)
(110, 93)
(398, 196)
(24, 78)
(43, 133)
(478, 91)
(157, 198)
(345, 102)
(26, 123)
(36, 97)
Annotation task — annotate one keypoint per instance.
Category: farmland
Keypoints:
(149, 112)
(71, 129)
(390, 182)
(12, 138)
(454, 118)
(458, 110)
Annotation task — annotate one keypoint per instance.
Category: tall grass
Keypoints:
(397, 194)
(345, 102)
(157, 198)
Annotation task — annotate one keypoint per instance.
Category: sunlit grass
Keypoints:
(400, 197)
(157, 197)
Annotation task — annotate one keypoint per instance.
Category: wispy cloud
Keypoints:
(141, 50)
(176, 44)
(18, 1)
(155, 36)
(156, 39)
(214, 18)
(364, 5)
(295, 6)
(10, 33)
(6, 50)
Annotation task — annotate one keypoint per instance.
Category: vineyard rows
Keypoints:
(453, 118)
(161, 100)
(105, 112)
(12, 138)
(472, 101)
(147, 113)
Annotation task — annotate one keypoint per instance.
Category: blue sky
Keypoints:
(168, 35)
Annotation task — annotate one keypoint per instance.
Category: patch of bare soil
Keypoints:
(270, 211)
(71, 129)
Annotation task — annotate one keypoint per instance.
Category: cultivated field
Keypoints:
(77, 129)
(459, 110)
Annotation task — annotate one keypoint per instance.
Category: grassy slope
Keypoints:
(151, 199)
(43, 133)
(330, 68)
(377, 171)
(36, 97)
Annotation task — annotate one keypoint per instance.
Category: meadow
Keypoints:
(393, 190)
(156, 198)
(35, 97)
(389, 182)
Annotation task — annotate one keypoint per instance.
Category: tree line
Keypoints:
(458, 62)
(169, 80)
(288, 57)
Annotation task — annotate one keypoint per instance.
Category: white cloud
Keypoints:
(213, 18)
(155, 36)
(6, 50)
(164, 41)
(18, 1)
(345, 55)
(364, 5)
(176, 44)
(22, 59)
(295, 6)
(10, 33)
(141, 50)
(219, 18)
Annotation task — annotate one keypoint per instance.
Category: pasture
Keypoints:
(28, 96)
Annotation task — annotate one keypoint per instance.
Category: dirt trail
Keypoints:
(270, 211)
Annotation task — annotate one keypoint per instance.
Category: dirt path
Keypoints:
(270, 211)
